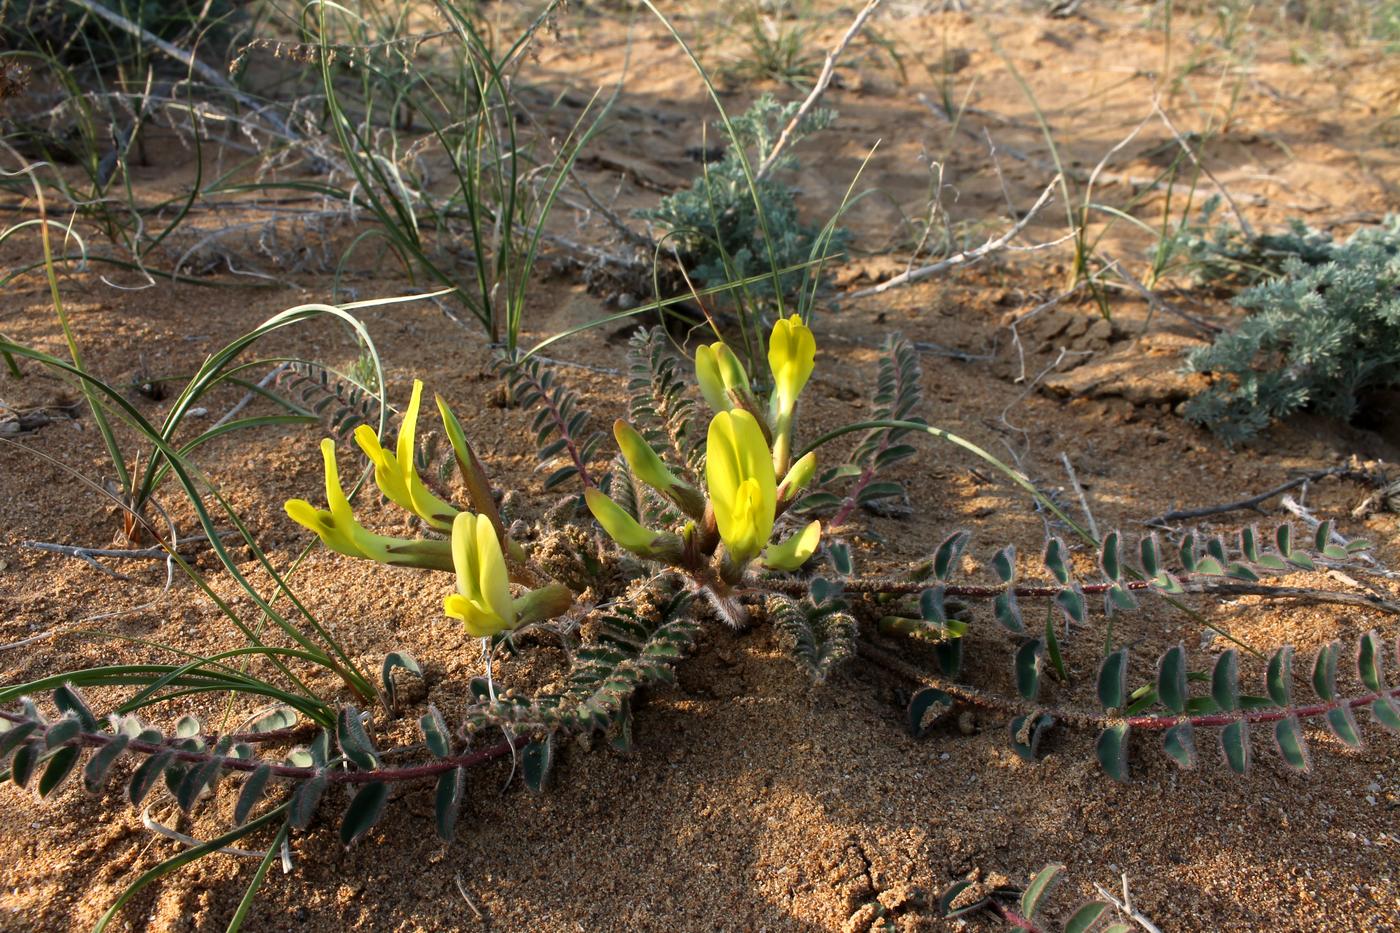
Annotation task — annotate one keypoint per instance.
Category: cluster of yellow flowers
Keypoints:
(483, 600)
(747, 450)
(743, 496)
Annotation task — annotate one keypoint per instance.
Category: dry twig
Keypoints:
(823, 82)
(967, 256)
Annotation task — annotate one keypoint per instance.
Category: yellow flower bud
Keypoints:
(792, 353)
(650, 469)
(796, 550)
(798, 477)
(739, 474)
(720, 373)
(628, 532)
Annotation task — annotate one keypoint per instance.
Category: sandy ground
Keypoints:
(752, 800)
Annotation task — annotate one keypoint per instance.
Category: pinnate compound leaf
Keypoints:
(1280, 676)
(436, 733)
(1027, 731)
(537, 760)
(1151, 555)
(365, 809)
(1324, 676)
(1071, 603)
(926, 709)
(1004, 563)
(1057, 560)
(1370, 662)
(1085, 917)
(1224, 681)
(146, 775)
(1030, 658)
(1386, 713)
(354, 742)
(945, 559)
(1111, 558)
(70, 702)
(251, 793)
(946, 900)
(393, 660)
(60, 764)
(305, 799)
(22, 765)
(1007, 612)
(99, 766)
(11, 738)
(1179, 742)
(1342, 724)
(62, 732)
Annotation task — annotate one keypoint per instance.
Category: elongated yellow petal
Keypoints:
(478, 622)
(387, 475)
(491, 564)
(339, 530)
(482, 601)
(648, 466)
(335, 493)
(796, 550)
(426, 506)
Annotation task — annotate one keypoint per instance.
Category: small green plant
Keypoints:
(776, 46)
(729, 225)
(504, 177)
(1324, 330)
(1219, 254)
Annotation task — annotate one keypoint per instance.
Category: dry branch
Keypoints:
(965, 257)
(823, 82)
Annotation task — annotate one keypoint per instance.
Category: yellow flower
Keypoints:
(792, 353)
(742, 487)
(340, 532)
(482, 601)
(720, 373)
(649, 468)
(796, 550)
(397, 477)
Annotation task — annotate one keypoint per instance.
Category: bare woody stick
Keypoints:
(823, 82)
(965, 257)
